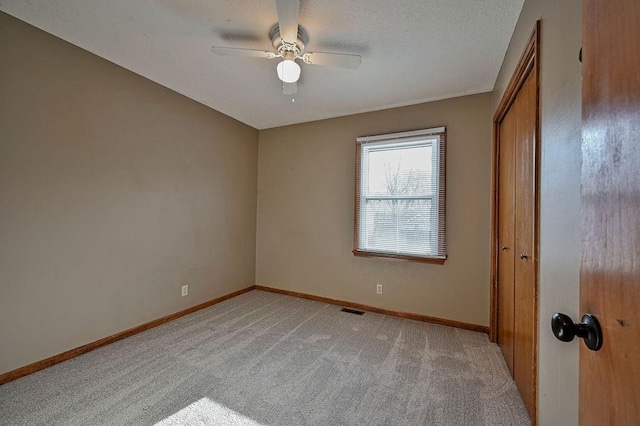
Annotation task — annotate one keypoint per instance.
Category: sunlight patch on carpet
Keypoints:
(207, 412)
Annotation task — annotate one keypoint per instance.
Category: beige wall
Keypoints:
(559, 193)
(306, 202)
(114, 192)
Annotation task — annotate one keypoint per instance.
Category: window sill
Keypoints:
(433, 260)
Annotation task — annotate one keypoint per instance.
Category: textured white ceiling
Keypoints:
(412, 50)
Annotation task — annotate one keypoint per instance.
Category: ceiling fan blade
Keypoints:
(235, 51)
(338, 60)
(289, 88)
(288, 14)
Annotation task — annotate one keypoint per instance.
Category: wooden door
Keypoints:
(610, 272)
(514, 299)
(516, 239)
(506, 229)
(524, 253)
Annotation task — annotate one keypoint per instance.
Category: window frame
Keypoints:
(408, 139)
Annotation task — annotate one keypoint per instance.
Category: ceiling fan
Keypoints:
(289, 40)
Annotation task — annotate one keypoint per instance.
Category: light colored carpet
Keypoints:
(268, 359)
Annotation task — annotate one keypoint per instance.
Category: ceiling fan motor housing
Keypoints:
(283, 48)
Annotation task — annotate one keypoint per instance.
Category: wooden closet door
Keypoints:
(524, 253)
(515, 235)
(506, 244)
(516, 240)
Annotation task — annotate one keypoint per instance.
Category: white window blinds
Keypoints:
(400, 195)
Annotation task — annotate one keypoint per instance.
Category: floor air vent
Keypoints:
(352, 311)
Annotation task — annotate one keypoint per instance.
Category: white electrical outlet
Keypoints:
(185, 289)
(379, 289)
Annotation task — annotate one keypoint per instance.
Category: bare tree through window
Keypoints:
(402, 218)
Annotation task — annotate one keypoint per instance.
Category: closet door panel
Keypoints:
(506, 241)
(524, 290)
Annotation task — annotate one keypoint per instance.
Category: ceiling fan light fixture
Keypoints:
(288, 71)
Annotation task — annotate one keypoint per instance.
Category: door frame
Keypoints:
(529, 63)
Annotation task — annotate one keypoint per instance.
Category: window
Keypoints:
(400, 196)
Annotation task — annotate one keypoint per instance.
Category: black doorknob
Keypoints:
(565, 330)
